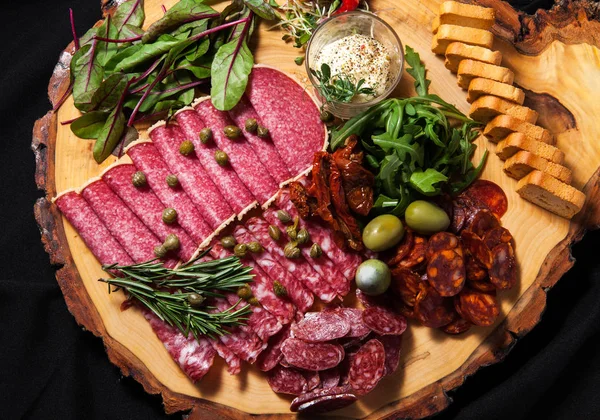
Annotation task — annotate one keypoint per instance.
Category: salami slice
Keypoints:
(329, 378)
(490, 194)
(441, 241)
(313, 380)
(194, 180)
(346, 262)
(194, 356)
(383, 321)
(146, 205)
(125, 226)
(367, 301)
(299, 267)
(290, 114)
(286, 381)
(91, 229)
(446, 272)
(403, 249)
(476, 248)
(497, 236)
(263, 147)
(323, 400)
(503, 271)
(367, 367)
(358, 329)
(321, 326)
(405, 284)
(458, 326)
(295, 291)
(242, 158)
(479, 308)
(260, 321)
(482, 221)
(147, 159)
(311, 356)
(272, 355)
(417, 254)
(392, 345)
(431, 309)
(229, 184)
(233, 362)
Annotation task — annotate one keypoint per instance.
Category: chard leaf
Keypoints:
(88, 75)
(417, 70)
(184, 11)
(425, 182)
(146, 52)
(107, 95)
(110, 135)
(89, 125)
(129, 13)
(123, 54)
(262, 9)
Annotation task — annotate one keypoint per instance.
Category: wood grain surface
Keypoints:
(555, 56)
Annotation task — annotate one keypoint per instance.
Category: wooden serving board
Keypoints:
(555, 56)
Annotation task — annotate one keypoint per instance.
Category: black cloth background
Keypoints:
(51, 368)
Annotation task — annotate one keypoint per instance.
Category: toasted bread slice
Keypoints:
(521, 163)
(458, 51)
(502, 125)
(516, 142)
(435, 24)
(471, 69)
(480, 87)
(460, 14)
(551, 194)
(487, 108)
(447, 34)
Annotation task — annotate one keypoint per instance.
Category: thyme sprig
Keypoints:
(167, 292)
(339, 87)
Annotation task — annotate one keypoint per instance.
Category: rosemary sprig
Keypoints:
(168, 292)
(340, 87)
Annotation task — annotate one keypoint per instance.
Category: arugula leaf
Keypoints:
(89, 125)
(425, 182)
(417, 70)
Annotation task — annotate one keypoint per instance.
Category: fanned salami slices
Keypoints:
(367, 367)
(323, 400)
(392, 345)
(311, 356)
(287, 381)
(330, 378)
(384, 321)
(272, 355)
(313, 380)
(321, 326)
(358, 329)
(234, 363)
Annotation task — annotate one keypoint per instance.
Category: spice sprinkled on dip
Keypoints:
(358, 57)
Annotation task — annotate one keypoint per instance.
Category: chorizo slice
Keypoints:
(483, 286)
(483, 221)
(441, 241)
(405, 284)
(496, 236)
(479, 308)
(403, 249)
(417, 254)
(459, 217)
(503, 272)
(458, 326)
(431, 308)
(475, 272)
(403, 309)
(477, 248)
(446, 272)
(490, 194)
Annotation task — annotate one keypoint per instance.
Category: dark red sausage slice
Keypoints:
(417, 254)
(432, 309)
(441, 241)
(311, 356)
(383, 321)
(483, 221)
(330, 378)
(354, 317)
(367, 367)
(287, 381)
(321, 326)
(490, 194)
(446, 272)
(405, 284)
(497, 236)
(392, 345)
(477, 248)
(503, 272)
(480, 308)
(458, 326)
(321, 401)
(483, 286)
(474, 271)
(403, 249)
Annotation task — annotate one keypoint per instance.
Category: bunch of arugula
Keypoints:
(417, 146)
(121, 74)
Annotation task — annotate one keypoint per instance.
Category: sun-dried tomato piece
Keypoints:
(305, 204)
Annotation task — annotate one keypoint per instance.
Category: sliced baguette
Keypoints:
(470, 69)
(480, 87)
(487, 108)
(468, 15)
(516, 142)
(435, 24)
(521, 163)
(458, 51)
(502, 125)
(551, 194)
(447, 34)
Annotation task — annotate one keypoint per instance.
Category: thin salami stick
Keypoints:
(322, 265)
(263, 147)
(194, 180)
(290, 114)
(233, 189)
(346, 262)
(296, 292)
(146, 205)
(147, 159)
(299, 267)
(242, 158)
(132, 234)
(262, 288)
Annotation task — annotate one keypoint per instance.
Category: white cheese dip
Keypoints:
(358, 57)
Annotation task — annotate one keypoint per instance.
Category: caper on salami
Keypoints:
(326, 116)
(232, 132)
(240, 250)
(274, 232)
(171, 242)
(253, 301)
(160, 251)
(292, 233)
(251, 125)
(315, 250)
(244, 292)
(195, 300)
(262, 132)
(139, 179)
(186, 148)
(284, 216)
(302, 237)
(205, 135)
(228, 241)
(255, 247)
(279, 289)
(291, 250)
(169, 215)
(221, 157)
(172, 180)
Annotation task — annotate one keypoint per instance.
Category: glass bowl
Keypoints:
(350, 23)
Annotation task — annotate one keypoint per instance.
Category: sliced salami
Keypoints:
(330, 378)
(431, 309)
(480, 308)
(441, 241)
(321, 326)
(473, 270)
(367, 367)
(446, 272)
(272, 355)
(482, 221)
(458, 326)
(287, 381)
(146, 205)
(417, 254)
(311, 356)
(323, 400)
(405, 284)
(353, 316)
(313, 380)
(392, 345)
(146, 158)
(403, 249)
(490, 194)
(232, 188)
(260, 321)
(497, 236)
(233, 362)
(383, 321)
(503, 271)
(194, 180)
(242, 158)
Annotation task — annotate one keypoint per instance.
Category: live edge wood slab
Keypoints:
(555, 58)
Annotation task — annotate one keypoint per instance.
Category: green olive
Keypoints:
(186, 148)
(232, 132)
(255, 247)
(383, 232)
(262, 132)
(221, 157)
(274, 232)
(373, 277)
(426, 218)
(169, 215)
(172, 181)
(228, 242)
(251, 125)
(139, 179)
(195, 300)
(205, 135)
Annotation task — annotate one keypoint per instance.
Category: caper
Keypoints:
(315, 250)
(205, 135)
(172, 180)
(139, 179)
(228, 242)
(274, 232)
(240, 250)
(326, 116)
(221, 157)
(186, 148)
(195, 300)
(262, 132)
(253, 301)
(244, 292)
(255, 247)
(160, 251)
(232, 132)
(279, 289)
(169, 215)
(284, 216)
(302, 237)
(383, 232)
(291, 250)
(292, 233)
(426, 218)
(251, 125)
(171, 242)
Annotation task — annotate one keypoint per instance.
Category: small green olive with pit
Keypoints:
(240, 250)
(262, 132)
(169, 215)
(228, 242)
(205, 135)
(251, 125)
(172, 181)
(221, 158)
(373, 277)
(139, 179)
(232, 132)
(383, 232)
(186, 148)
(426, 218)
